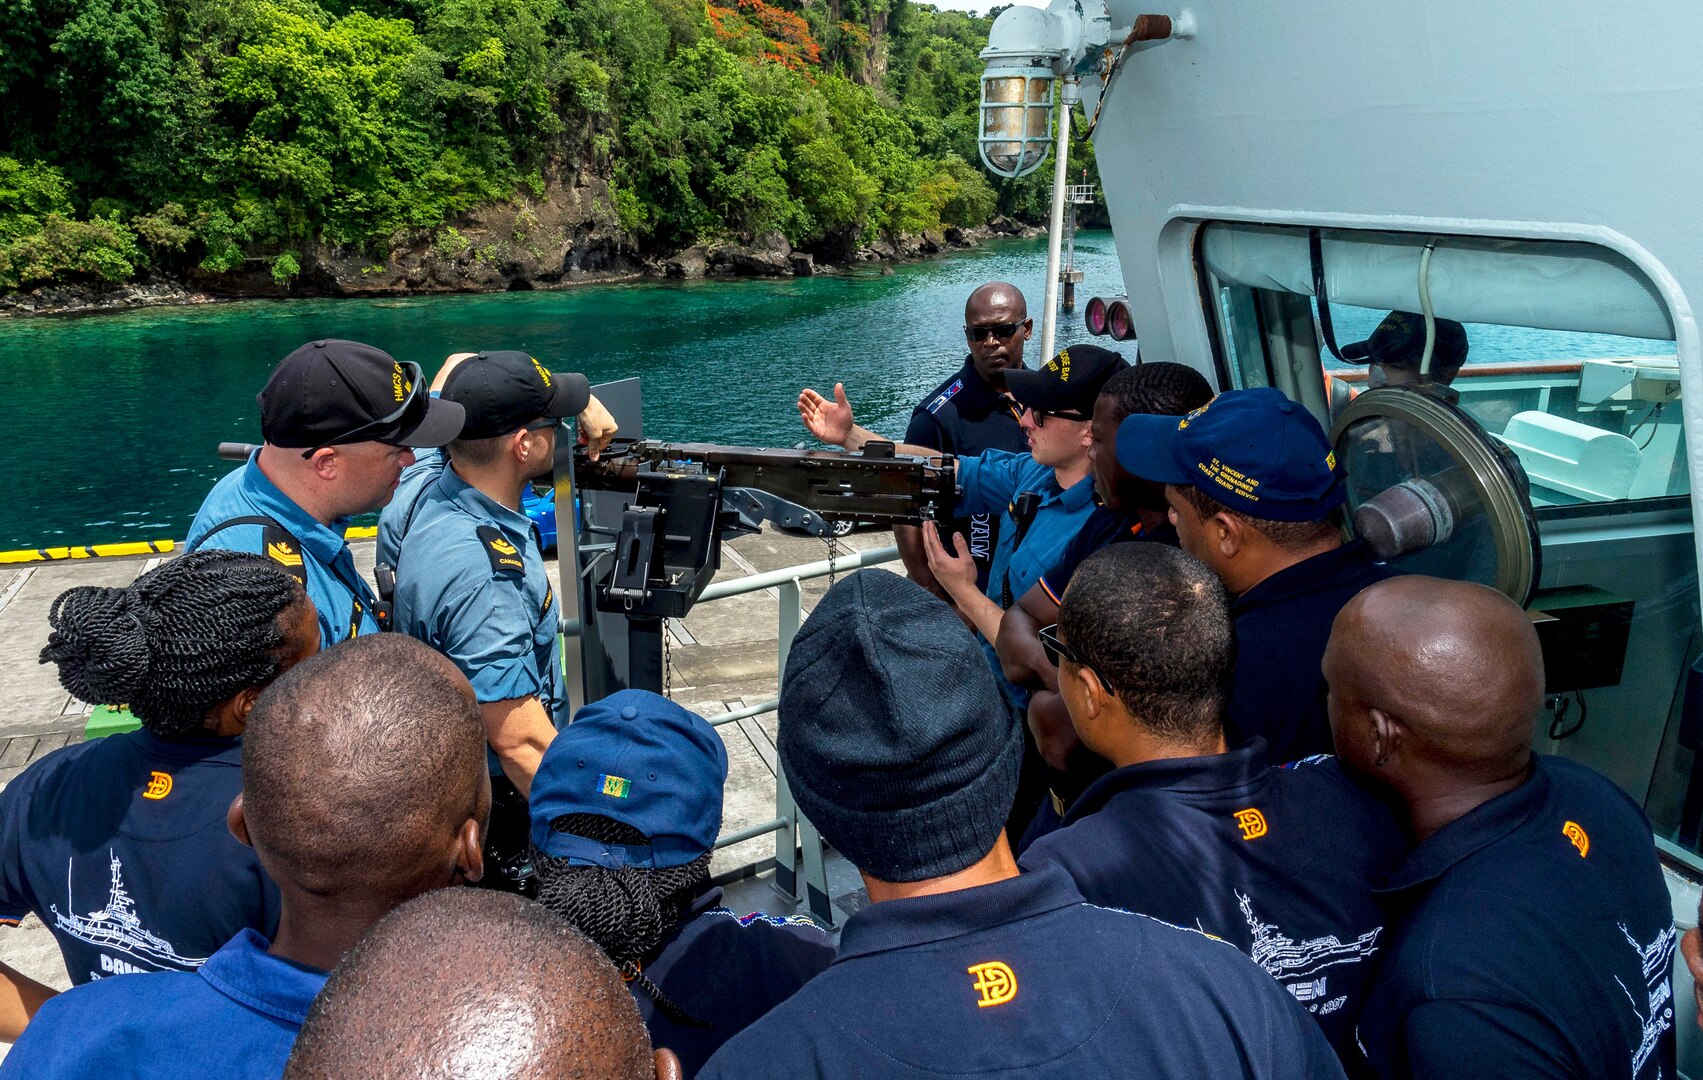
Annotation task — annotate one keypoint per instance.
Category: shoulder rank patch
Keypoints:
(286, 551)
(945, 395)
(504, 556)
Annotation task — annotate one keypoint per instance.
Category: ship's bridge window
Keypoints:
(1569, 352)
(1570, 369)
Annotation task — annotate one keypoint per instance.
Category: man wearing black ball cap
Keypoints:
(470, 576)
(338, 419)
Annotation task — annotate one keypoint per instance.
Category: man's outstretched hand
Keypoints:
(596, 428)
(829, 421)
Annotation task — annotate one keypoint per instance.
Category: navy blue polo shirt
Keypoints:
(1282, 627)
(120, 847)
(1104, 527)
(1022, 978)
(726, 970)
(1280, 863)
(966, 416)
(1536, 933)
(341, 596)
(234, 1019)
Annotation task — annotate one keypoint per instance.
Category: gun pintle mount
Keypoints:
(683, 496)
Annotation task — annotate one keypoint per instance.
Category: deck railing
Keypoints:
(798, 859)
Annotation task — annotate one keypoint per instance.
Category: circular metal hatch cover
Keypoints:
(1430, 492)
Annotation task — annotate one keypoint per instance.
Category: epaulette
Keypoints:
(505, 557)
(945, 395)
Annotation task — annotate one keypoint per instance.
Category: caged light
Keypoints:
(1025, 48)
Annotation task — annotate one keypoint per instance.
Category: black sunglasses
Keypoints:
(1054, 648)
(416, 392)
(1041, 416)
(999, 330)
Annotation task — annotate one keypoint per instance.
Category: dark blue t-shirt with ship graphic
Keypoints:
(120, 847)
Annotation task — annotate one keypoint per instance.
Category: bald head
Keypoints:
(1446, 675)
(362, 767)
(997, 312)
(472, 983)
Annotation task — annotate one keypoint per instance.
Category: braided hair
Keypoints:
(177, 641)
(627, 911)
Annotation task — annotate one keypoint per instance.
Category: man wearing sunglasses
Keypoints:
(338, 419)
(1280, 862)
(971, 411)
(470, 574)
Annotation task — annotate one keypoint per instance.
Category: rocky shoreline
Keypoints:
(520, 253)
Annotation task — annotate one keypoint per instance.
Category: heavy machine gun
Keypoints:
(684, 499)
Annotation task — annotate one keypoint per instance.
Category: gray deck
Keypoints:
(722, 659)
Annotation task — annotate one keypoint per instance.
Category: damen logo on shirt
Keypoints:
(1251, 822)
(1576, 836)
(995, 982)
(159, 786)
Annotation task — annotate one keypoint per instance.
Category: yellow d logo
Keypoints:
(996, 983)
(159, 786)
(1251, 822)
(1572, 831)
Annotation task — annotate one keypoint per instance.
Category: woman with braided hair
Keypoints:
(625, 809)
(120, 846)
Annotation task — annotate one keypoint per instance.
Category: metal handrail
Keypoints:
(803, 571)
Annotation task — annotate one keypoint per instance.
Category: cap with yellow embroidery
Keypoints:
(1067, 384)
(506, 390)
(1255, 451)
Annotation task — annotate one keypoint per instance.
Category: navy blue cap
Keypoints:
(1255, 451)
(640, 759)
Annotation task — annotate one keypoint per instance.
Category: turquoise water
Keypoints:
(110, 422)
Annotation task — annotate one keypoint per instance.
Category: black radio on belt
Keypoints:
(1023, 510)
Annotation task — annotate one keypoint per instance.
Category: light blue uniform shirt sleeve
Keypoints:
(988, 481)
(487, 631)
(394, 519)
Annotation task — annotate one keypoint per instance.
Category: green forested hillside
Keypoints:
(211, 134)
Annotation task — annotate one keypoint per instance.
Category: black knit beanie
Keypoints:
(895, 738)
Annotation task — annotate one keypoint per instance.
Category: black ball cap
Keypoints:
(1067, 384)
(332, 391)
(506, 390)
(1399, 341)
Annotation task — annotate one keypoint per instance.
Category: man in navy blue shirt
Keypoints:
(1254, 490)
(471, 983)
(338, 418)
(625, 811)
(971, 411)
(1531, 931)
(1128, 508)
(896, 746)
(363, 786)
(1279, 862)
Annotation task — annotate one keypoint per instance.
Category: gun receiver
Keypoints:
(875, 485)
(684, 496)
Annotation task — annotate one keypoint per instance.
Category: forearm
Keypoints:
(980, 612)
(20, 997)
(1020, 653)
(519, 731)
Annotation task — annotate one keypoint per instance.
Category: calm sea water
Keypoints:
(110, 422)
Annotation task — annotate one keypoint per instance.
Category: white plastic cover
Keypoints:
(1550, 285)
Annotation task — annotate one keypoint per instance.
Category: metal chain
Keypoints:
(667, 662)
(833, 543)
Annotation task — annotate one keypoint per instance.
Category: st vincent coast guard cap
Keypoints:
(640, 759)
(506, 390)
(330, 392)
(1255, 451)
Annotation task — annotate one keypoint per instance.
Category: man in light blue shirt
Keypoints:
(339, 418)
(470, 576)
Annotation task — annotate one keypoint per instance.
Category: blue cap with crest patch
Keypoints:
(1255, 451)
(637, 758)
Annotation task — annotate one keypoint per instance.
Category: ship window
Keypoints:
(1569, 351)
